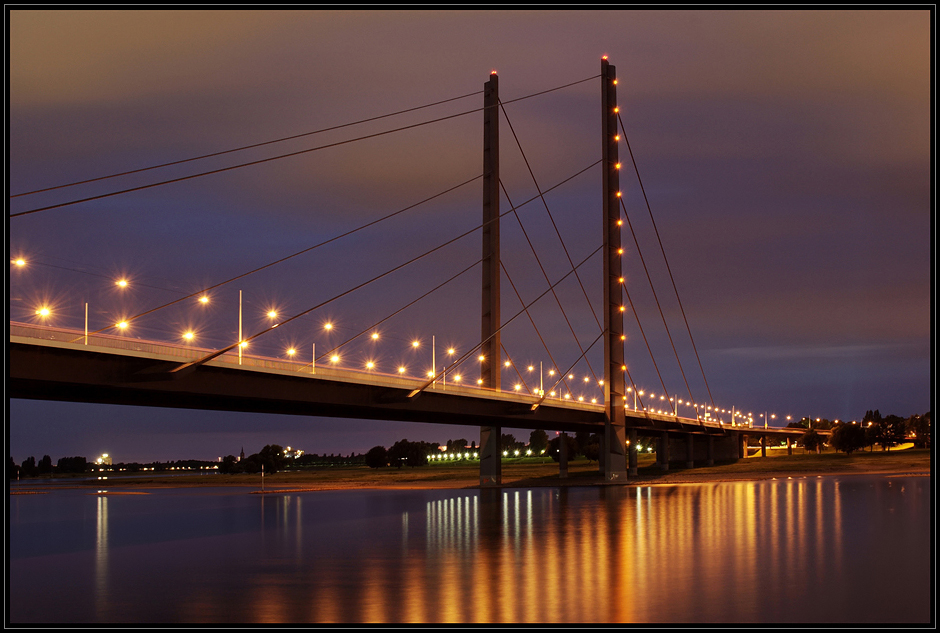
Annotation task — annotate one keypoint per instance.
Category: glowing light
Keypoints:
(616, 137)
(594, 401)
(327, 326)
(451, 351)
(291, 351)
(551, 372)
(375, 336)
(370, 365)
(570, 376)
(580, 398)
(615, 82)
(617, 109)
(508, 364)
(122, 325)
(272, 314)
(43, 311)
(567, 396)
(619, 194)
(620, 251)
(517, 387)
(600, 382)
(457, 378)
(19, 261)
(481, 358)
(492, 72)
(552, 394)
(243, 344)
(604, 57)
(430, 374)
(623, 367)
(188, 336)
(401, 370)
(122, 283)
(204, 299)
(621, 280)
(479, 381)
(531, 368)
(586, 379)
(617, 166)
(619, 222)
(623, 337)
(415, 343)
(334, 358)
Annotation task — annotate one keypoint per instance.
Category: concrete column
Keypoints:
(789, 446)
(563, 456)
(662, 455)
(690, 451)
(711, 450)
(633, 453)
(763, 446)
(742, 445)
(490, 457)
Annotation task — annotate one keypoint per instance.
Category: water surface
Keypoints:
(819, 550)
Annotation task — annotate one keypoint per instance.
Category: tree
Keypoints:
(45, 465)
(848, 438)
(538, 441)
(918, 428)
(13, 471)
(411, 454)
(555, 445)
(811, 440)
(509, 443)
(887, 431)
(75, 464)
(230, 464)
(272, 456)
(377, 457)
(28, 467)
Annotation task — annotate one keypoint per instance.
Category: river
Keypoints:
(837, 550)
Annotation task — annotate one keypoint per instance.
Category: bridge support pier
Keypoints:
(763, 446)
(742, 446)
(632, 453)
(789, 446)
(690, 451)
(563, 456)
(711, 451)
(662, 455)
(491, 472)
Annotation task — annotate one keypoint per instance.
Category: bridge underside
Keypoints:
(42, 372)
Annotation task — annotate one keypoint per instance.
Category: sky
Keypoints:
(785, 157)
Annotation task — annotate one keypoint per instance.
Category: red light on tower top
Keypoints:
(492, 72)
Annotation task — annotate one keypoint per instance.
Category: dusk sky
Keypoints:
(785, 154)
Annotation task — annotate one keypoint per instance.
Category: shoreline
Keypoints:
(909, 463)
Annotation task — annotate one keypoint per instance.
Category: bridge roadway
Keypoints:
(57, 364)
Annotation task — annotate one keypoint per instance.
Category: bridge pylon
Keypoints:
(613, 457)
(490, 451)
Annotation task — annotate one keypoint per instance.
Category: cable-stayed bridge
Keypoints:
(585, 383)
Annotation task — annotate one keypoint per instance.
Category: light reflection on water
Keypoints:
(851, 549)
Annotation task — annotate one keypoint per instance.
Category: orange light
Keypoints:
(328, 326)
(481, 358)
(291, 351)
(19, 261)
(122, 283)
(604, 57)
(619, 194)
(415, 343)
(204, 299)
(375, 336)
(615, 82)
(272, 314)
(616, 137)
(401, 370)
(623, 367)
(43, 311)
(122, 324)
(623, 337)
(617, 109)
(492, 72)
(188, 336)
(334, 358)
(370, 365)
(623, 308)
(451, 351)
(617, 166)
(619, 222)
(620, 251)
(508, 364)
(621, 280)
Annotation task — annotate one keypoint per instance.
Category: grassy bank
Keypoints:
(534, 472)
